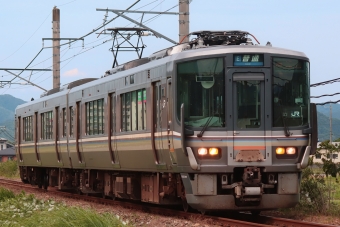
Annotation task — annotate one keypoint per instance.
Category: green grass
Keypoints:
(26, 210)
(9, 169)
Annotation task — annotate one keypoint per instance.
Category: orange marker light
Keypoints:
(280, 150)
(213, 151)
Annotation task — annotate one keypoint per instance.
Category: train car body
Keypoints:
(214, 127)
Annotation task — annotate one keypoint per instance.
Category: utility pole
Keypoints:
(183, 20)
(330, 124)
(56, 47)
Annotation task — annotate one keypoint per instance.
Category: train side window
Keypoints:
(100, 116)
(140, 110)
(144, 109)
(71, 120)
(113, 106)
(28, 128)
(64, 122)
(94, 117)
(47, 125)
(133, 110)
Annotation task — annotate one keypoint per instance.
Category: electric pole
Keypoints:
(56, 47)
(183, 20)
(330, 124)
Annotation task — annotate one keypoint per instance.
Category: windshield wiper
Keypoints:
(205, 126)
(285, 128)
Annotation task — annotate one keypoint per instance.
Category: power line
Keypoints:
(27, 39)
(329, 102)
(315, 97)
(325, 82)
(94, 30)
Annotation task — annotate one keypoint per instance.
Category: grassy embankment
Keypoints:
(26, 210)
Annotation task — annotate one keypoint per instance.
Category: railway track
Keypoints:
(234, 219)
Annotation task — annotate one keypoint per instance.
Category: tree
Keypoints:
(329, 167)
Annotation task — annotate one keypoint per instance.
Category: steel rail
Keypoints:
(240, 219)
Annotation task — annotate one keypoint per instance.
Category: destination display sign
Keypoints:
(248, 59)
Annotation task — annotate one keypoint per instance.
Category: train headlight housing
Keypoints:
(209, 152)
(202, 151)
(213, 151)
(286, 152)
(280, 150)
(290, 150)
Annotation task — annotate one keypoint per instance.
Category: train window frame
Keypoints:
(94, 117)
(299, 105)
(46, 120)
(192, 67)
(28, 128)
(71, 112)
(133, 110)
(64, 118)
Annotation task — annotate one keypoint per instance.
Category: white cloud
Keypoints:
(73, 73)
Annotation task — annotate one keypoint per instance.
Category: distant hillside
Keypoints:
(5, 114)
(323, 127)
(324, 109)
(8, 104)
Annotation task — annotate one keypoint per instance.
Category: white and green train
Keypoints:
(215, 124)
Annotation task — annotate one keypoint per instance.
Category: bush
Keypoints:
(9, 169)
(313, 197)
(315, 192)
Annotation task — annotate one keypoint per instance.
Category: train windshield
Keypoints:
(290, 92)
(201, 88)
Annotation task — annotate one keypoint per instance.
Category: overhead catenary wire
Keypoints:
(94, 30)
(34, 32)
(27, 39)
(329, 102)
(325, 82)
(315, 97)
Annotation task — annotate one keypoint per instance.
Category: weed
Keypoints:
(9, 169)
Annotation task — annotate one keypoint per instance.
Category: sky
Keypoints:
(307, 26)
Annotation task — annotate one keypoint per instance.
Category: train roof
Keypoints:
(207, 43)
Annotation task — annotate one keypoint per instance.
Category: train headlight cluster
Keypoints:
(208, 152)
(285, 150)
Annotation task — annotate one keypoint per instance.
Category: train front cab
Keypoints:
(246, 129)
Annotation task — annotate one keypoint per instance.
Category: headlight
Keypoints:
(290, 150)
(213, 151)
(202, 151)
(280, 150)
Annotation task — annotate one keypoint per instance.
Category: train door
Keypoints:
(77, 131)
(35, 135)
(56, 132)
(157, 115)
(112, 129)
(169, 125)
(249, 119)
(18, 138)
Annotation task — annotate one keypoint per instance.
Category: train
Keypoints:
(215, 123)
